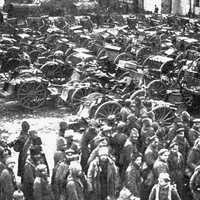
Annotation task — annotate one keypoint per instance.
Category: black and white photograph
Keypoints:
(99, 99)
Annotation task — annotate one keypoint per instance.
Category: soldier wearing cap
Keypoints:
(19, 143)
(133, 178)
(164, 190)
(128, 151)
(182, 142)
(26, 148)
(161, 164)
(103, 177)
(176, 167)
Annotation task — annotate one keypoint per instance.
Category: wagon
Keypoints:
(189, 81)
(30, 91)
(101, 106)
(157, 66)
(74, 92)
(110, 51)
(57, 72)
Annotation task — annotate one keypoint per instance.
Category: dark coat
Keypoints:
(128, 149)
(150, 156)
(42, 189)
(59, 176)
(74, 189)
(24, 155)
(133, 179)
(28, 178)
(176, 167)
(94, 182)
(19, 147)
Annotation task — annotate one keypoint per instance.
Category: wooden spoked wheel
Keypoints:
(142, 54)
(164, 115)
(157, 90)
(32, 95)
(138, 93)
(106, 109)
(78, 94)
(123, 56)
(56, 72)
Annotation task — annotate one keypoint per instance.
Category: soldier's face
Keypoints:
(44, 172)
(163, 182)
(175, 148)
(138, 161)
(164, 156)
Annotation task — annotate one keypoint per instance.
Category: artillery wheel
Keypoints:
(78, 94)
(180, 78)
(138, 93)
(167, 67)
(157, 90)
(55, 72)
(122, 75)
(187, 98)
(32, 95)
(164, 115)
(142, 54)
(122, 56)
(106, 109)
(68, 51)
(92, 81)
(72, 59)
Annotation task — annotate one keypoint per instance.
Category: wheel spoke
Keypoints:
(116, 111)
(168, 114)
(101, 114)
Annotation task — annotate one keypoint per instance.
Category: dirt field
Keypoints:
(45, 121)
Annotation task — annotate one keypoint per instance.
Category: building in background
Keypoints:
(179, 7)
